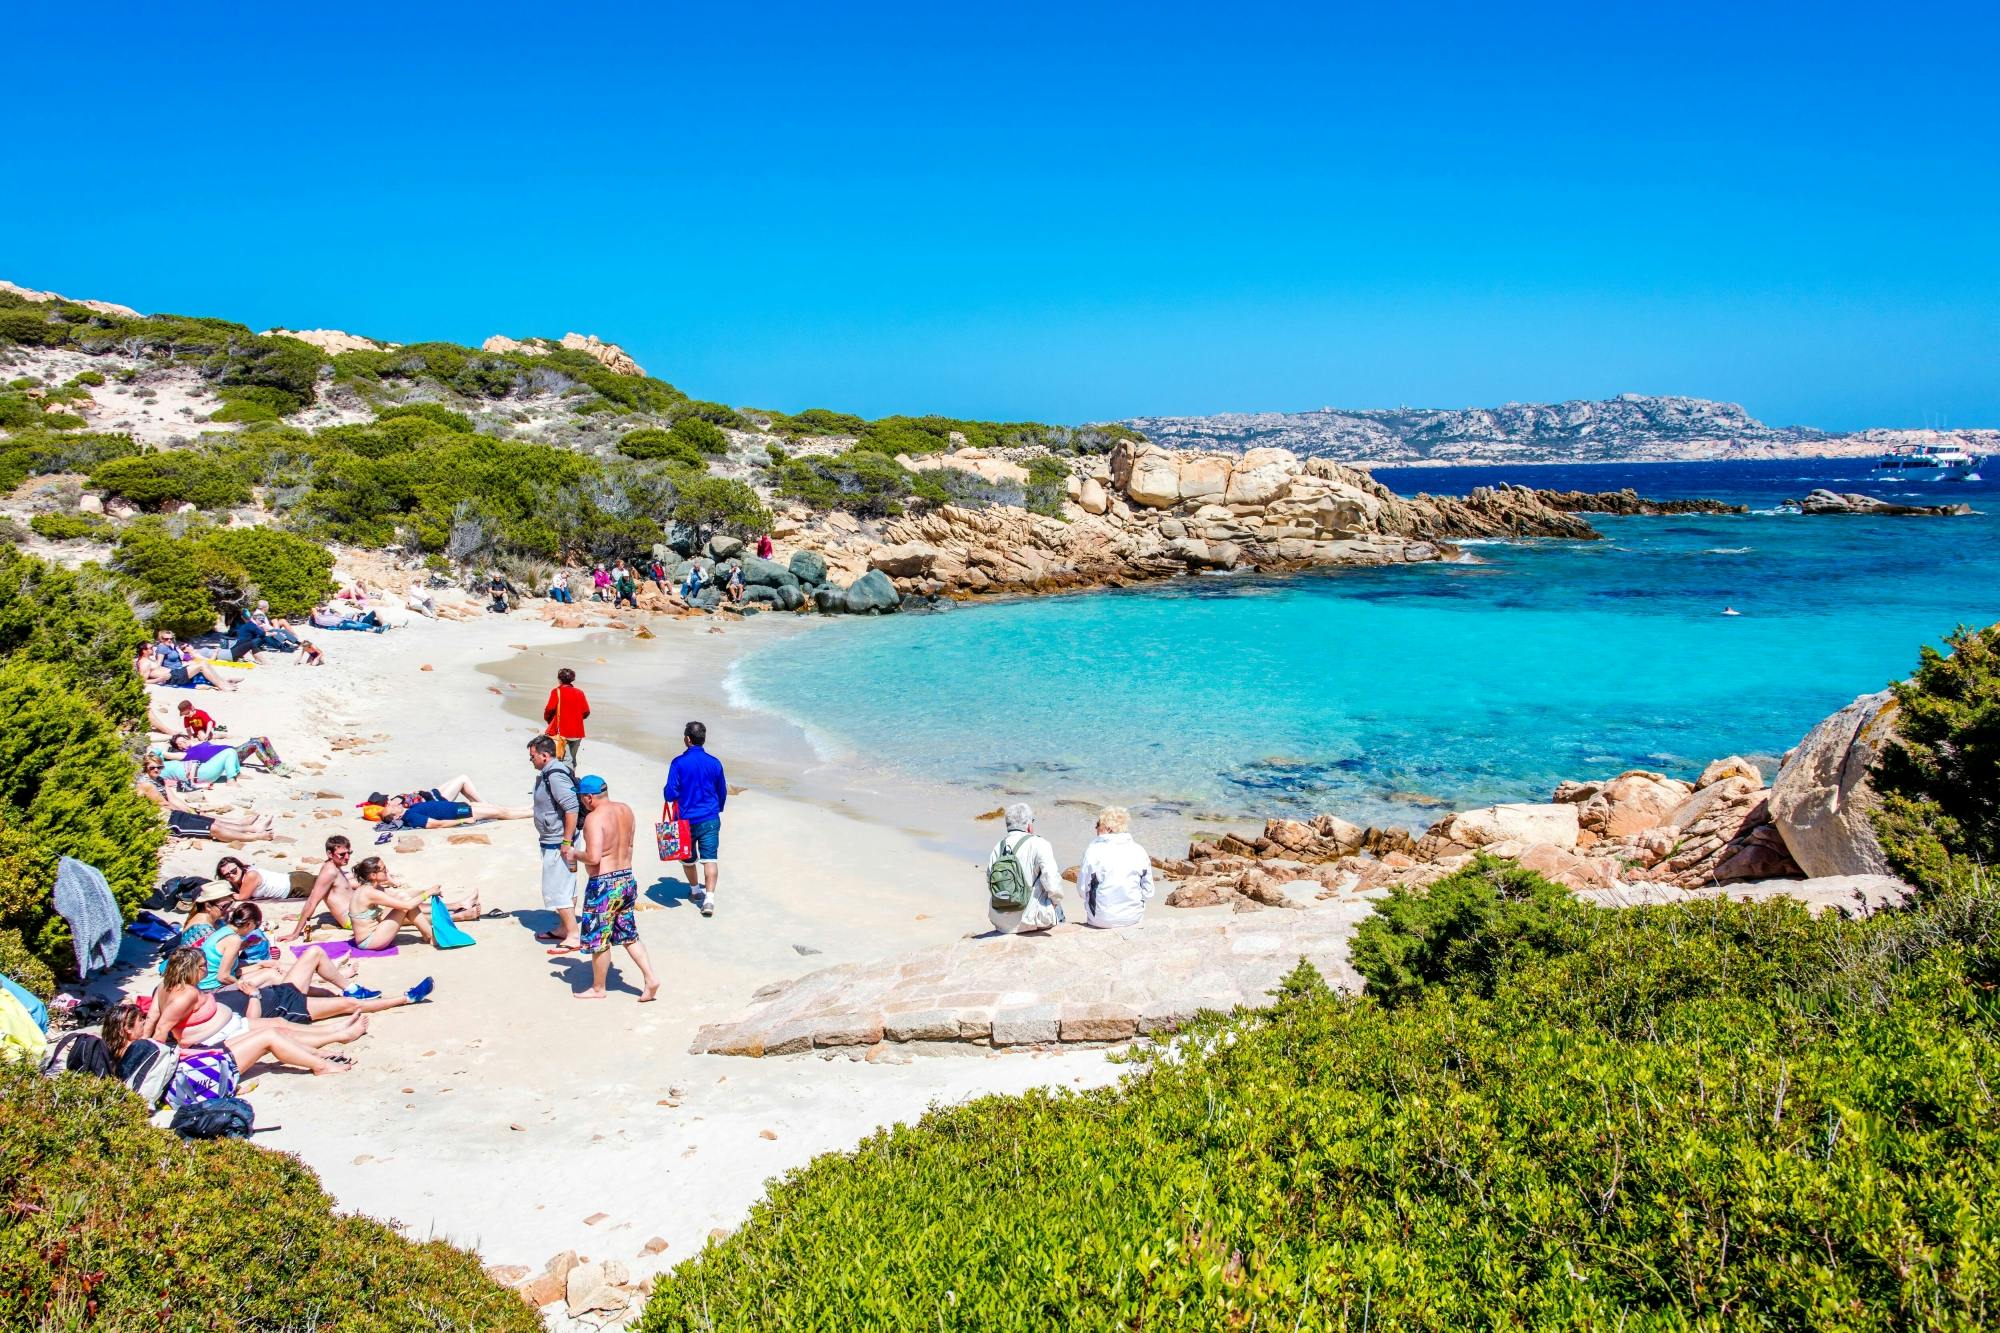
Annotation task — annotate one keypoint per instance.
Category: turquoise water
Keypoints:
(1382, 694)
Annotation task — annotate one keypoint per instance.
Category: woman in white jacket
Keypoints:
(1116, 878)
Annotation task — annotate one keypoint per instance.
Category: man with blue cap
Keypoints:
(611, 896)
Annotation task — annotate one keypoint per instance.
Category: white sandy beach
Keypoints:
(507, 1116)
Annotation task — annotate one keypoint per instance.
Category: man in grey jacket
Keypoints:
(1038, 866)
(556, 815)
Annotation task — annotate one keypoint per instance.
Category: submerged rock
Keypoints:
(1836, 502)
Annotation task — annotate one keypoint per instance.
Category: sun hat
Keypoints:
(591, 785)
(213, 892)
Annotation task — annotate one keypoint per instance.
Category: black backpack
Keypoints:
(216, 1118)
(148, 1068)
(79, 1053)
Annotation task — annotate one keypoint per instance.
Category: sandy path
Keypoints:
(505, 1114)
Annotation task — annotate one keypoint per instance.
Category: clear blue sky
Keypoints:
(1066, 213)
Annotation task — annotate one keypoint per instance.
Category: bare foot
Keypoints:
(652, 992)
(360, 1025)
(342, 1066)
(588, 995)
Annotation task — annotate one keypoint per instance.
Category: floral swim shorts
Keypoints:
(608, 901)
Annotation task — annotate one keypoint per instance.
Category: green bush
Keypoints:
(702, 436)
(859, 481)
(35, 453)
(717, 504)
(293, 574)
(654, 445)
(1048, 482)
(89, 377)
(1708, 1116)
(208, 573)
(437, 413)
(30, 326)
(75, 625)
(1940, 783)
(71, 527)
(116, 1225)
(164, 477)
(818, 421)
(256, 402)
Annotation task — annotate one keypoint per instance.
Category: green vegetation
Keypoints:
(654, 445)
(717, 504)
(704, 437)
(1940, 786)
(200, 574)
(66, 643)
(1048, 479)
(436, 413)
(71, 527)
(113, 1224)
(37, 453)
(817, 421)
(860, 481)
(163, 477)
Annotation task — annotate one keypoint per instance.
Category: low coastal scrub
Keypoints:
(861, 482)
(1940, 785)
(38, 453)
(113, 1224)
(192, 578)
(67, 688)
(71, 527)
(1550, 1115)
(171, 477)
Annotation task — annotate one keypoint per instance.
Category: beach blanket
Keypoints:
(29, 1001)
(20, 1039)
(84, 900)
(342, 948)
(444, 930)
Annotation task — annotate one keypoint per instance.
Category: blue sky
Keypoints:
(1062, 213)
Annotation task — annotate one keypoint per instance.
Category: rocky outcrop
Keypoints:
(101, 307)
(1823, 799)
(1822, 502)
(609, 355)
(332, 341)
(1629, 502)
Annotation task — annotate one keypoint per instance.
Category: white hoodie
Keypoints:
(1116, 880)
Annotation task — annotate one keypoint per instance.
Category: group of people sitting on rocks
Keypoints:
(1024, 881)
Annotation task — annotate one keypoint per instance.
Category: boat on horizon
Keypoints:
(1932, 462)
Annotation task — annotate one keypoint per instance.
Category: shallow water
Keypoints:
(1387, 694)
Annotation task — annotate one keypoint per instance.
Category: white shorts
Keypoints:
(558, 881)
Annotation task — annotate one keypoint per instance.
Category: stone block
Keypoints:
(925, 1025)
(1098, 1022)
(848, 1030)
(790, 1038)
(1165, 1016)
(976, 1025)
(1029, 1025)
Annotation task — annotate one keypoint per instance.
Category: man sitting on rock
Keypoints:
(1022, 870)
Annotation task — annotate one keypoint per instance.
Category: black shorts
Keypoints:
(184, 825)
(283, 1000)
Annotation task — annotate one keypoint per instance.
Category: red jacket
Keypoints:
(565, 712)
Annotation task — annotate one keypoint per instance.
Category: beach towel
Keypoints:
(29, 1001)
(342, 948)
(84, 900)
(444, 930)
(153, 930)
(20, 1039)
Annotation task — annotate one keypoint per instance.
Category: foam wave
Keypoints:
(1729, 550)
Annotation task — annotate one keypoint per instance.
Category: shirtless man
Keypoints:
(611, 895)
(333, 885)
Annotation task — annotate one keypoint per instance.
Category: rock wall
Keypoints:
(610, 355)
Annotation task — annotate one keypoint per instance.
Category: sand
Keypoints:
(506, 1115)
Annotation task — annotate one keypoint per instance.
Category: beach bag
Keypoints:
(217, 1118)
(675, 835)
(203, 1074)
(147, 1068)
(444, 931)
(79, 1053)
(562, 746)
(1006, 881)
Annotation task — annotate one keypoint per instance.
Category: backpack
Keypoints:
(217, 1118)
(204, 1074)
(1007, 880)
(79, 1053)
(147, 1068)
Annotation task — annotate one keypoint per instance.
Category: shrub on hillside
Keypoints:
(76, 626)
(65, 790)
(652, 444)
(165, 477)
(1940, 783)
(36, 453)
(718, 504)
(113, 1224)
(1048, 480)
(866, 484)
(436, 413)
(1709, 1115)
(208, 574)
(30, 326)
(71, 527)
(702, 436)
(818, 421)
(293, 574)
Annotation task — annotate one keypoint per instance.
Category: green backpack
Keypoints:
(1006, 881)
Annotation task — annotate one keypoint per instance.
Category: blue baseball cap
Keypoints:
(590, 786)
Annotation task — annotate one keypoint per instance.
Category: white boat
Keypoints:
(1932, 462)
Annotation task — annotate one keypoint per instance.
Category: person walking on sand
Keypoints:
(1022, 869)
(557, 816)
(695, 784)
(565, 713)
(1116, 877)
(611, 894)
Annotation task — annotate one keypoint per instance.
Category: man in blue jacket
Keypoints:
(695, 784)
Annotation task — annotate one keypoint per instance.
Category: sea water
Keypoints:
(1386, 695)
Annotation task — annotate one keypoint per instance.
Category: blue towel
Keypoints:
(84, 900)
(444, 930)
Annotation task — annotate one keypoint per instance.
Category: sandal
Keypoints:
(490, 914)
(346, 1060)
(564, 948)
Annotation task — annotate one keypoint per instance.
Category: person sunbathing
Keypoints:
(247, 883)
(184, 1013)
(128, 1022)
(183, 821)
(214, 761)
(438, 811)
(381, 907)
(185, 669)
(285, 990)
(326, 617)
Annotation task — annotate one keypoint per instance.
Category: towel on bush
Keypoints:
(84, 900)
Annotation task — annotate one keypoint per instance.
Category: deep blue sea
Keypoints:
(1383, 694)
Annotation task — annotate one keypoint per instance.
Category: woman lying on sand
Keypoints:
(285, 991)
(327, 617)
(197, 674)
(247, 882)
(189, 760)
(183, 821)
(184, 1013)
(380, 907)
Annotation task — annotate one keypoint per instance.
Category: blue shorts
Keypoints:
(707, 833)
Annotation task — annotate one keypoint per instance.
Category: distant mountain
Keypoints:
(1629, 428)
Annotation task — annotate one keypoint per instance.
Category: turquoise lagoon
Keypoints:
(1384, 695)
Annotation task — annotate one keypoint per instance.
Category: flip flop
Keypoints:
(494, 914)
(548, 936)
(561, 949)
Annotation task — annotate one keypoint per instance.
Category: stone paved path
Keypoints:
(1070, 985)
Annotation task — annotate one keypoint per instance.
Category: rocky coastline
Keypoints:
(1824, 502)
